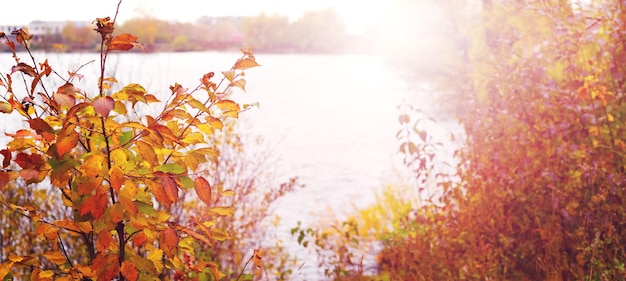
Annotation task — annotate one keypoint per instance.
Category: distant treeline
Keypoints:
(315, 32)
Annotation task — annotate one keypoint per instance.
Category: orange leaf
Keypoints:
(147, 152)
(95, 205)
(203, 189)
(103, 105)
(106, 266)
(104, 240)
(168, 242)
(124, 42)
(129, 205)
(116, 178)
(195, 235)
(140, 239)
(129, 271)
(158, 190)
(66, 142)
(116, 212)
(169, 185)
(245, 63)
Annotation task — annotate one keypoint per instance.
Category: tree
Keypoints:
(539, 189)
(119, 174)
(79, 37)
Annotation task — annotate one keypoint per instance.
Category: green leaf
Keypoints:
(126, 136)
(171, 168)
(186, 182)
(198, 105)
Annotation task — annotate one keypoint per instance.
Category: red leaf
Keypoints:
(42, 128)
(203, 189)
(7, 157)
(103, 105)
(4, 178)
(24, 68)
(106, 266)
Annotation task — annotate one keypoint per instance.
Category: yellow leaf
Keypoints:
(610, 117)
(156, 257)
(5, 268)
(46, 274)
(223, 211)
(94, 165)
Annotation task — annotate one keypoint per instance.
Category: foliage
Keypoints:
(244, 168)
(119, 175)
(539, 188)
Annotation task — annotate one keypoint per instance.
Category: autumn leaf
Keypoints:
(5, 107)
(229, 75)
(5, 268)
(116, 212)
(228, 108)
(124, 42)
(129, 271)
(223, 211)
(6, 153)
(147, 152)
(66, 142)
(203, 189)
(94, 165)
(106, 266)
(24, 68)
(129, 205)
(95, 205)
(104, 240)
(168, 242)
(42, 128)
(4, 178)
(103, 105)
(239, 83)
(116, 178)
(104, 26)
(171, 168)
(245, 63)
(214, 122)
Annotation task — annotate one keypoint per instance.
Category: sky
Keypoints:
(358, 14)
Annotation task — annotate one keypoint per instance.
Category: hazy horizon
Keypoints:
(358, 15)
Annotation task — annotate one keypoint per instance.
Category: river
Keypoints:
(331, 120)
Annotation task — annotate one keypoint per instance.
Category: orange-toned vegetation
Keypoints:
(539, 189)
